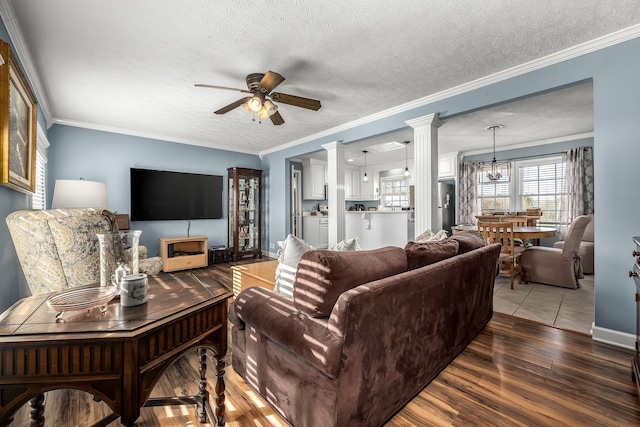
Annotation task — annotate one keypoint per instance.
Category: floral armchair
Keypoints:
(58, 248)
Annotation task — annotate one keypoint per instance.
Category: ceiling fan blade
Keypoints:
(222, 87)
(277, 119)
(296, 101)
(271, 80)
(231, 106)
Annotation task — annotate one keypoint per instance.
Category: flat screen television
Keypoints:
(164, 195)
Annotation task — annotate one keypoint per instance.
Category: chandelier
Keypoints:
(494, 174)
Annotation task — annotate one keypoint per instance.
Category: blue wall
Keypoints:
(616, 141)
(12, 283)
(107, 157)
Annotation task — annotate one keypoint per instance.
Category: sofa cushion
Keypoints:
(324, 275)
(424, 253)
(468, 241)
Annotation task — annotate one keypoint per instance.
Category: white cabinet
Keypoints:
(314, 178)
(448, 165)
(352, 180)
(315, 231)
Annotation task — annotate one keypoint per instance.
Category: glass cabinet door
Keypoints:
(245, 217)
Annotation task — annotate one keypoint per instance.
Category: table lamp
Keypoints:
(69, 193)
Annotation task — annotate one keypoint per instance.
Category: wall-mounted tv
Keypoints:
(164, 195)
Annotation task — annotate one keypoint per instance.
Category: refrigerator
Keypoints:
(446, 205)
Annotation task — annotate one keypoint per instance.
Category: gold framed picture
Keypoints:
(18, 124)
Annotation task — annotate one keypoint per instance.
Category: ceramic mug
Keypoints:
(134, 289)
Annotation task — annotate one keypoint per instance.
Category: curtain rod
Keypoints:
(533, 156)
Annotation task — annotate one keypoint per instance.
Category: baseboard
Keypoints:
(270, 254)
(617, 338)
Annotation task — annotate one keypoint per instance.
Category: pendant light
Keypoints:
(406, 159)
(494, 174)
(365, 178)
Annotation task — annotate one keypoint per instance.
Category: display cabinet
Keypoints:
(245, 212)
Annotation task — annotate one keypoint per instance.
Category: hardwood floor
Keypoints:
(515, 373)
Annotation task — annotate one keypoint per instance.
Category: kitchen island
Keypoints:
(375, 229)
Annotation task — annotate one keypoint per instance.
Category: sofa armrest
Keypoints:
(275, 317)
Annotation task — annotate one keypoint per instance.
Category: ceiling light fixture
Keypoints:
(255, 102)
(365, 178)
(268, 109)
(494, 174)
(406, 159)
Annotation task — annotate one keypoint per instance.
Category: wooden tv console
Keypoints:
(182, 253)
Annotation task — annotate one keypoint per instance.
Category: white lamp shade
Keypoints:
(69, 193)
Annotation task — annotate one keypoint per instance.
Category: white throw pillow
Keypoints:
(347, 245)
(428, 236)
(291, 250)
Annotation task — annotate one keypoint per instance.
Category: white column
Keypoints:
(335, 184)
(425, 171)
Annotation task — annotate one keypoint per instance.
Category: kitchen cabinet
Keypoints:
(245, 212)
(448, 165)
(352, 178)
(315, 231)
(314, 179)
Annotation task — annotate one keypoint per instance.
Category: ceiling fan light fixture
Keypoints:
(255, 103)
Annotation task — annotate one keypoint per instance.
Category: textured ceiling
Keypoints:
(130, 66)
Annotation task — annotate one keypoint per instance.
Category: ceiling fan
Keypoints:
(262, 99)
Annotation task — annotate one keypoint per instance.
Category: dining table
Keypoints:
(528, 232)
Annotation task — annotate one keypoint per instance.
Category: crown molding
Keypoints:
(546, 61)
(20, 47)
(529, 144)
(149, 135)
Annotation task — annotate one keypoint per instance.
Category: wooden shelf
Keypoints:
(182, 253)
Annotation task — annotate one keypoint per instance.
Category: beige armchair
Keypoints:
(58, 248)
(554, 266)
(586, 249)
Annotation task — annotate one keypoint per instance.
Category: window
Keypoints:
(39, 198)
(534, 184)
(394, 192)
(541, 185)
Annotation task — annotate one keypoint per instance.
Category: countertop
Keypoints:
(377, 212)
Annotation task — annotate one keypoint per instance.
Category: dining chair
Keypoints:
(509, 261)
(517, 221)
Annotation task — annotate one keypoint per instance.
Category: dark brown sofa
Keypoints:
(365, 332)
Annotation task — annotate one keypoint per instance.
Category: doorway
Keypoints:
(296, 202)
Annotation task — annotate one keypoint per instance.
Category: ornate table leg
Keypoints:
(220, 390)
(203, 393)
(37, 410)
(203, 404)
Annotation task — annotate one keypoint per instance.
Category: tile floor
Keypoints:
(571, 309)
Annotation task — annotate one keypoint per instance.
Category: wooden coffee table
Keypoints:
(118, 355)
(261, 274)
